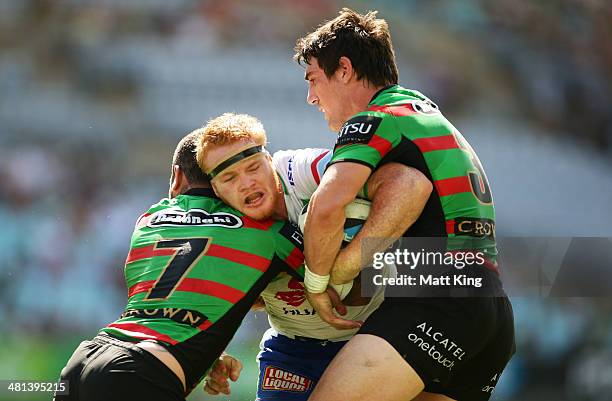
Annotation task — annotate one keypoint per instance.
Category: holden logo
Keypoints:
(295, 297)
(426, 107)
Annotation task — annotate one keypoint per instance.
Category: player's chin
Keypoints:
(261, 212)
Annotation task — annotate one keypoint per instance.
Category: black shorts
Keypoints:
(109, 369)
(458, 346)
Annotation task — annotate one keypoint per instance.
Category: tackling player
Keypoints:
(299, 345)
(194, 269)
(453, 348)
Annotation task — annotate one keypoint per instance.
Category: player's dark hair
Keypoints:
(363, 38)
(185, 158)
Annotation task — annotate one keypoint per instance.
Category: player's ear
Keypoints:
(214, 187)
(178, 180)
(345, 69)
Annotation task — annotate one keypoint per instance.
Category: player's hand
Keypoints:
(325, 302)
(225, 367)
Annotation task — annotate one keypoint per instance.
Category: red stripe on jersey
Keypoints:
(401, 110)
(211, 288)
(382, 145)
(295, 258)
(451, 186)
(205, 325)
(450, 226)
(140, 331)
(148, 252)
(313, 167)
(436, 143)
(142, 220)
(248, 222)
(234, 255)
(142, 286)
(491, 266)
(145, 214)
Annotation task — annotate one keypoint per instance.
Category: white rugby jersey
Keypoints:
(289, 312)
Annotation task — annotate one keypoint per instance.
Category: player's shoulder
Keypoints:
(191, 212)
(285, 157)
(360, 128)
(398, 101)
(397, 95)
(162, 204)
(204, 199)
(301, 167)
(388, 114)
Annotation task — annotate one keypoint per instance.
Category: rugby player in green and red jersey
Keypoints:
(410, 348)
(194, 269)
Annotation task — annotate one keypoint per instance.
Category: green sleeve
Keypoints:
(290, 248)
(366, 139)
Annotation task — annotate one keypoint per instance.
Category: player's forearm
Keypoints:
(323, 233)
(324, 227)
(399, 194)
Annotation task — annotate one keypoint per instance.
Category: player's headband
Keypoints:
(235, 159)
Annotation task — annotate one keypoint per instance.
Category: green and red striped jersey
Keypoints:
(403, 125)
(194, 269)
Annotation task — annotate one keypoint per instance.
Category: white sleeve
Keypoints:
(300, 172)
(307, 168)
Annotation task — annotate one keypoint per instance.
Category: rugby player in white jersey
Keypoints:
(299, 345)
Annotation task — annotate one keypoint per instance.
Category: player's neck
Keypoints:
(280, 208)
(361, 93)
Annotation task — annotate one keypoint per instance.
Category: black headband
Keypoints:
(234, 159)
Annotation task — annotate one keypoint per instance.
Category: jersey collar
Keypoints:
(381, 91)
(208, 192)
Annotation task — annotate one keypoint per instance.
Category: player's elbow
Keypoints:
(396, 178)
(422, 187)
(409, 180)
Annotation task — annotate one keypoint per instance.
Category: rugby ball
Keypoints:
(356, 214)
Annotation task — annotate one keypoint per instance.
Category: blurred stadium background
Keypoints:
(94, 95)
